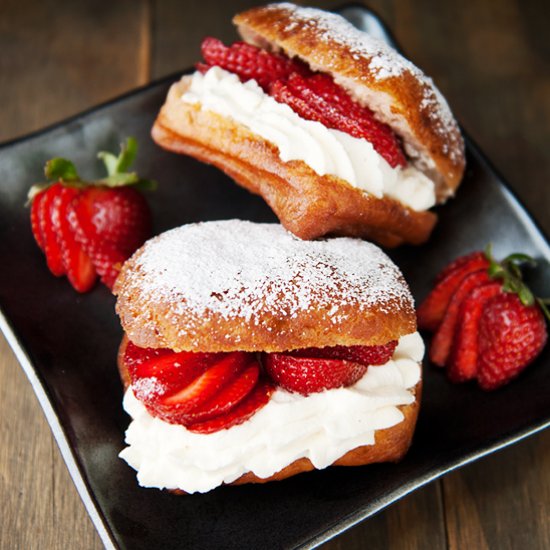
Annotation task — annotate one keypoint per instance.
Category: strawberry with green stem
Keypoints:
(88, 229)
(488, 324)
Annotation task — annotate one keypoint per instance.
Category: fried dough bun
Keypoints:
(308, 204)
(240, 286)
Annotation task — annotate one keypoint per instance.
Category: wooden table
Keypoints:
(492, 61)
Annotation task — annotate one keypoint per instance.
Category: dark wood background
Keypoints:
(492, 61)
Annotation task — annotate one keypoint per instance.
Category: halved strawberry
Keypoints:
(306, 375)
(254, 401)
(462, 363)
(432, 310)
(443, 339)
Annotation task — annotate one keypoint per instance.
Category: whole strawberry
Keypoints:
(488, 325)
(88, 229)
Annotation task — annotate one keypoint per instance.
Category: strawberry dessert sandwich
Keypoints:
(250, 355)
(333, 128)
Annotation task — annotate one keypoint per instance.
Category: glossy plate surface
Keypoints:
(67, 345)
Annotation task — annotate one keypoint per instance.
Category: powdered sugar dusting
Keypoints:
(384, 62)
(239, 269)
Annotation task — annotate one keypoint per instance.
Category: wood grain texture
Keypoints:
(490, 59)
(61, 58)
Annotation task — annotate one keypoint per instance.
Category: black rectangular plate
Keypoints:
(67, 345)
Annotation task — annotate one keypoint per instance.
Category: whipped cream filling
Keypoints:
(324, 150)
(322, 427)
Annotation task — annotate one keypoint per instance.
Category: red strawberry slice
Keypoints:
(195, 388)
(365, 355)
(229, 396)
(248, 62)
(461, 261)
(255, 400)
(35, 218)
(135, 356)
(462, 363)
(511, 335)
(171, 372)
(49, 238)
(306, 375)
(319, 98)
(176, 407)
(442, 341)
(76, 263)
(432, 310)
(313, 96)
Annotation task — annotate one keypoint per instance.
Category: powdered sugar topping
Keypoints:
(383, 61)
(240, 269)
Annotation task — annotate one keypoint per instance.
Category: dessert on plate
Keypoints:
(250, 355)
(333, 128)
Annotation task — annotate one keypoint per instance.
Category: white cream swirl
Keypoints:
(322, 427)
(324, 150)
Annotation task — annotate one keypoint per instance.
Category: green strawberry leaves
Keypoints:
(59, 169)
(62, 170)
(509, 272)
(117, 168)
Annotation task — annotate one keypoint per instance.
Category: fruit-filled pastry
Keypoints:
(250, 355)
(333, 128)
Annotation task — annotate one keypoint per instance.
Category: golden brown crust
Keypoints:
(390, 445)
(307, 204)
(359, 297)
(374, 74)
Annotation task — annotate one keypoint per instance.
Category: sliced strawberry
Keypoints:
(249, 62)
(177, 407)
(365, 355)
(432, 310)
(165, 374)
(76, 263)
(460, 262)
(35, 218)
(255, 400)
(442, 341)
(511, 335)
(462, 363)
(320, 99)
(90, 228)
(135, 356)
(49, 238)
(229, 396)
(306, 375)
